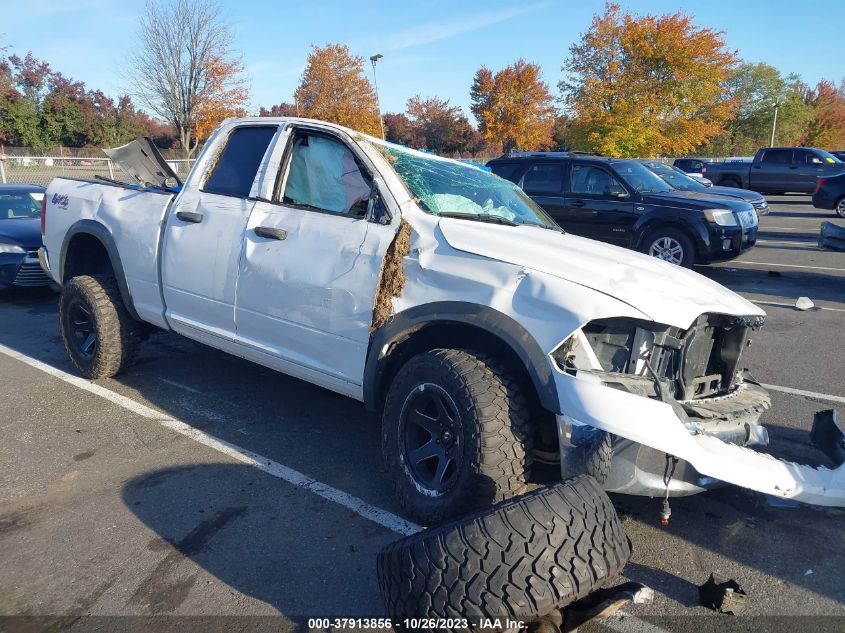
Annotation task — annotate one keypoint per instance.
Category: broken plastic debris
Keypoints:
(828, 435)
(724, 596)
(599, 604)
(804, 303)
(832, 237)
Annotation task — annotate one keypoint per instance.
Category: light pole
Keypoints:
(775, 122)
(377, 58)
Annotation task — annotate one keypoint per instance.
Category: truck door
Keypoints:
(773, 172)
(544, 182)
(595, 205)
(809, 167)
(204, 233)
(311, 261)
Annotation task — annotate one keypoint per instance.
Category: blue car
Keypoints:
(20, 236)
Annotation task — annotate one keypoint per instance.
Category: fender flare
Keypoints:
(405, 323)
(647, 222)
(104, 236)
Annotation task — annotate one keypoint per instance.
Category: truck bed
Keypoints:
(133, 217)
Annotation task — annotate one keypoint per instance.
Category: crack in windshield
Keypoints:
(450, 189)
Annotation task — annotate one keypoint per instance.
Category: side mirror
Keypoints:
(615, 191)
(376, 210)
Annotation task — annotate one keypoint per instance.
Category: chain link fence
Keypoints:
(18, 168)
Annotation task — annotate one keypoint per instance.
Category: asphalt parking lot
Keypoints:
(198, 484)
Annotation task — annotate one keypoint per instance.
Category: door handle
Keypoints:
(577, 203)
(271, 233)
(189, 216)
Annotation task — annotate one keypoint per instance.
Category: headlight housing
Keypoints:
(722, 217)
(11, 248)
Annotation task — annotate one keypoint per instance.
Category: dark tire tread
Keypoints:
(521, 559)
(118, 334)
(500, 419)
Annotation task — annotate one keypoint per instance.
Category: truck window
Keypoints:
(777, 156)
(237, 164)
(323, 174)
(508, 171)
(543, 178)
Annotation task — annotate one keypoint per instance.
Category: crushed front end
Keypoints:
(662, 393)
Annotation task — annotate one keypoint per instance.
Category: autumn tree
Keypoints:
(334, 88)
(647, 85)
(227, 95)
(398, 128)
(183, 68)
(826, 127)
(42, 108)
(280, 109)
(514, 107)
(443, 128)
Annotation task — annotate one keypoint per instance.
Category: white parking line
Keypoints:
(736, 263)
(780, 304)
(788, 242)
(808, 394)
(358, 506)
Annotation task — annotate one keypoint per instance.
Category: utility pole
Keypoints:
(377, 58)
(775, 122)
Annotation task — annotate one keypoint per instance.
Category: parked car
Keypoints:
(830, 194)
(691, 166)
(20, 236)
(439, 295)
(699, 179)
(777, 170)
(684, 182)
(621, 202)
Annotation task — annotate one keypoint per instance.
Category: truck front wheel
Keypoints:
(99, 335)
(455, 434)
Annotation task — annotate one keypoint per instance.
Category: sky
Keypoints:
(430, 48)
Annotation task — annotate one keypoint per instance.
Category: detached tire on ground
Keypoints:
(100, 336)
(521, 559)
(456, 434)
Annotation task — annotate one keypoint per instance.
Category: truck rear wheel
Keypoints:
(99, 335)
(520, 560)
(455, 434)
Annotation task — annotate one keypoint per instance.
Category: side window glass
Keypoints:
(777, 156)
(543, 178)
(323, 174)
(508, 171)
(589, 180)
(235, 166)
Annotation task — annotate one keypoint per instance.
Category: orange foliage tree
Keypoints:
(334, 88)
(225, 94)
(827, 123)
(647, 85)
(513, 107)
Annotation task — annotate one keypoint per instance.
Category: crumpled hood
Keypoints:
(664, 292)
(24, 232)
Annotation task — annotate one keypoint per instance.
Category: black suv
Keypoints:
(619, 201)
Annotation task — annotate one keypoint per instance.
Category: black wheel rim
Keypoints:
(432, 438)
(79, 324)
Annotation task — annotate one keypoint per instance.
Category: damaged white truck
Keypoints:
(439, 295)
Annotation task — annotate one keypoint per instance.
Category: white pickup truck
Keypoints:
(439, 295)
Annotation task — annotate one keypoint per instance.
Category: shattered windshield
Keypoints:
(451, 189)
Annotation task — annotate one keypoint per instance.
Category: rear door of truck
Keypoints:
(772, 171)
(204, 233)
